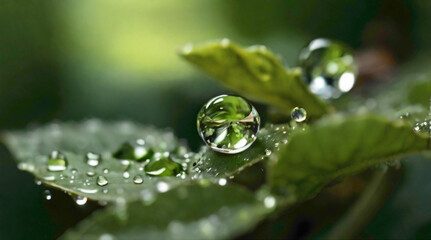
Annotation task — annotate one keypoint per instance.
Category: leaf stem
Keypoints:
(365, 208)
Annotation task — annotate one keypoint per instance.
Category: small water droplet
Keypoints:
(57, 161)
(74, 171)
(269, 201)
(126, 174)
(162, 187)
(47, 194)
(38, 182)
(298, 114)
(228, 124)
(162, 166)
(105, 171)
(268, 152)
(222, 181)
(80, 200)
(134, 151)
(102, 181)
(138, 179)
(91, 173)
(92, 159)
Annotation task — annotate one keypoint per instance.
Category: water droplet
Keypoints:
(138, 179)
(126, 174)
(80, 200)
(269, 201)
(105, 171)
(163, 166)
(38, 182)
(91, 173)
(328, 67)
(47, 195)
(298, 114)
(268, 152)
(102, 181)
(56, 161)
(222, 181)
(134, 151)
(106, 236)
(74, 171)
(228, 124)
(162, 187)
(92, 159)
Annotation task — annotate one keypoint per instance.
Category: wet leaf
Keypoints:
(255, 73)
(188, 212)
(74, 140)
(339, 146)
(269, 140)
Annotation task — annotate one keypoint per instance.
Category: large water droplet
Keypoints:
(57, 161)
(328, 67)
(92, 159)
(102, 181)
(163, 166)
(228, 124)
(134, 151)
(298, 114)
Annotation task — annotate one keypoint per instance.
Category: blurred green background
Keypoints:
(71, 60)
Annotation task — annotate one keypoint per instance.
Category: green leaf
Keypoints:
(269, 140)
(338, 146)
(188, 212)
(255, 73)
(32, 147)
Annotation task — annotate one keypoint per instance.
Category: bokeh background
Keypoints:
(71, 60)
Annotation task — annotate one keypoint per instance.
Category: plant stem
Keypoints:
(365, 208)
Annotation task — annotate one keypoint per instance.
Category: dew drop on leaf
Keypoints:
(92, 159)
(298, 114)
(162, 187)
(57, 161)
(138, 179)
(328, 67)
(163, 166)
(102, 181)
(126, 174)
(228, 124)
(268, 152)
(136, 150)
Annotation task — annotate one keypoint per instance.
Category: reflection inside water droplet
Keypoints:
(328, 67)
(298, 114)
(228, 124)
